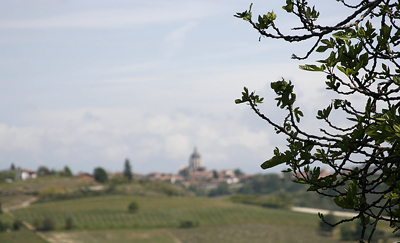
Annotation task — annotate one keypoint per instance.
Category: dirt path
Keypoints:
(323, 211)
(172, 236)
(25, 204)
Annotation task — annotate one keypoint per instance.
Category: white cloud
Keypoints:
(161, 13)
(105, 94)
(177, 145)
(20, 138)
(176, 38)
(144, 136)
(114, 152)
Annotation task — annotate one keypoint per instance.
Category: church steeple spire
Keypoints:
(195, 161)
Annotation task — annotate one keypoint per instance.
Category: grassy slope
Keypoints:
(15, 193)
(111, 212)
(116, 235)
(254, 233)
(22, 235)
(220, 221)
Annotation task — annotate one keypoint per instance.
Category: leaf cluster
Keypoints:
(362, 151)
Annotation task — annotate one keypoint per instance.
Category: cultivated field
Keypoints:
(106, 219)
(108, 212)
(22, 235)
(253, 233)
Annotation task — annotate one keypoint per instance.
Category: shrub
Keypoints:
(187, 224)
(68, 223)
(36, 223)
(48, 224)
(17, 224)
(133, 207)
(3, 226)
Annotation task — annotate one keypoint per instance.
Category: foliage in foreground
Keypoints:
(364, 149)
(351, 232)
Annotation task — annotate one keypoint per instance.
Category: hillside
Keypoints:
(166, 213)
(161, 217)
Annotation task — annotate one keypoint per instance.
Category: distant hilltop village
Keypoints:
(197, 176)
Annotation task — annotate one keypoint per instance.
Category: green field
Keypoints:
(106, 219)
(253, 233)
(115, 235)
(21, 235)
(110, 212)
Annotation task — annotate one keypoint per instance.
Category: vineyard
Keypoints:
(215, 220)
(158, 212)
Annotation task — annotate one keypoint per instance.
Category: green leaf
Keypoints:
(345, 35)
(238, 101)
(396, 79)
(287, 170)
(274, 161)
(361, 32)
(246, 15)
(298, 113)
(322, 48)
(372, 131)
(386, 31)
(396, 127)
(363, 59)
(266, 20)
(312, 189)
(340, 201)
(312, 67)
(289, 6)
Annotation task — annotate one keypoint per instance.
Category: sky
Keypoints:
(91, 83)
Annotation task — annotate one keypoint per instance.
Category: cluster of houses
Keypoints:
(194, 175)
(17, 174)
(197, 176)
